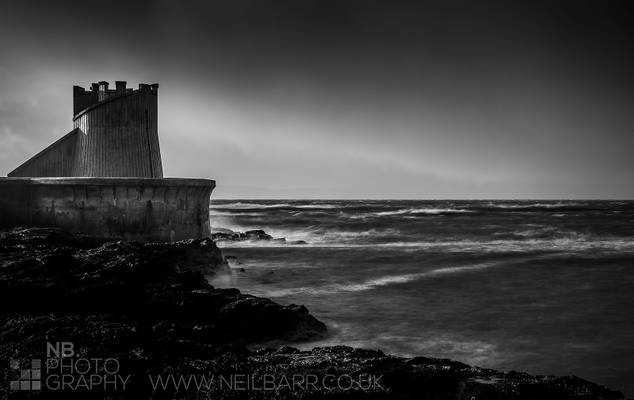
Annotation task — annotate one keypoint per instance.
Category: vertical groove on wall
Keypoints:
(120, 140)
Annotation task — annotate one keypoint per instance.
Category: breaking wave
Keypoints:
(250, 206)
(534, 205)
(434, 211)
(246, 206)
(382, 281)
(529, 240)
(402, 224)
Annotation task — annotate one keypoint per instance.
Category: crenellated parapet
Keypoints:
(100, 91)
(83, 98)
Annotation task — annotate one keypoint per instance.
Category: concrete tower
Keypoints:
(115, 135)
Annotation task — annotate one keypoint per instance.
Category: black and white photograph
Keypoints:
(317, 199)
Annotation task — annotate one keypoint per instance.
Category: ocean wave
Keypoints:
(469, 246)
(247, 206)
(332, 229)
(528, 238)
(388, 280)
(317, 206)
(313, 236)
(250, 206)
(540, 207)
(510, 246)
(434, 211)
(534, 205)
(541, 231)
(381, 281)
(214, 213)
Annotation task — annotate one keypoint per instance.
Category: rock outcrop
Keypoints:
(227, 235)
(256, 234)
(342, 372)
(148, 305)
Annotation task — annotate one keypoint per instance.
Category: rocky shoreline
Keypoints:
(227, 235)
(150, 307)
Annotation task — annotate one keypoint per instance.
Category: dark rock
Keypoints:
(257, 234)
(379, 376)
(221, 235)
(137, 284)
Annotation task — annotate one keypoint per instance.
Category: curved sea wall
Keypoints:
(142, 209)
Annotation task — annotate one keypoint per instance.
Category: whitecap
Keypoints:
(432, 211)
(214, 213)
(246, 206)
(535, 205)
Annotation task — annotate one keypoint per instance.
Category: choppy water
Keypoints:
(545, 287)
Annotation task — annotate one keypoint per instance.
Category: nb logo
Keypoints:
(60, 349)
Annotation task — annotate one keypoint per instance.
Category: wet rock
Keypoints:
(48, 272)
(221, 235)
(379, 376)
(257, 234)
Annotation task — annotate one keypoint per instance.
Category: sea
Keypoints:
(544, 287)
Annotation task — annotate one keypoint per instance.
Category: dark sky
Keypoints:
(348, 98)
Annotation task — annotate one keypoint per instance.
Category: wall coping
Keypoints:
(104, 181)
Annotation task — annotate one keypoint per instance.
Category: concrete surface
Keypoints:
(142, 209)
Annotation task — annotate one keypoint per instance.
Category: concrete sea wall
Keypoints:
(142, 209)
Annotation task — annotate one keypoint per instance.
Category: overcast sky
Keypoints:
(345, 98)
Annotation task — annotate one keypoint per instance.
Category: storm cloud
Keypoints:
(345, 99)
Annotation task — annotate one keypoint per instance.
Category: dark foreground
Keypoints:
(141, 321)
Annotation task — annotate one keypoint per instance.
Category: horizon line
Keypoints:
(416, 199)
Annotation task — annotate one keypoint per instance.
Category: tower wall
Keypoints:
(57, 159)
(119, 134)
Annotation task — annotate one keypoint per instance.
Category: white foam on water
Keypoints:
(316, 206)
(405, 278)
(529, 238)
(314, 236)
(535, 205)
(432, 211)
(214, 214)
(249, 206)
(575, 243)
(381, 281)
